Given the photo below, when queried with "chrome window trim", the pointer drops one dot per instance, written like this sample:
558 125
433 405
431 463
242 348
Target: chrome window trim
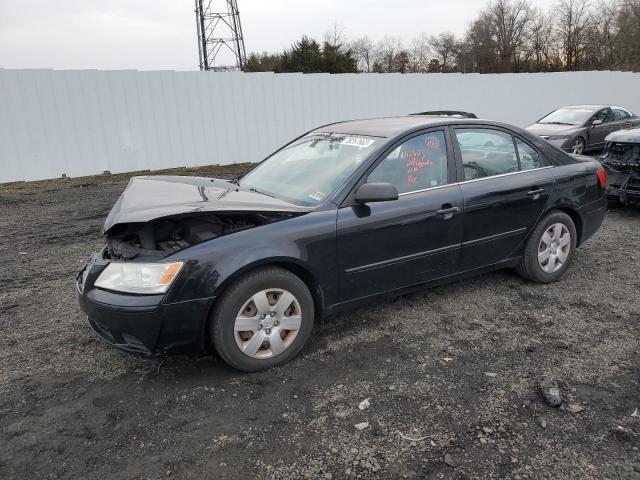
475 180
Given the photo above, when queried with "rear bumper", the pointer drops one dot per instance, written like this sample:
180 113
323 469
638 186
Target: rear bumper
141 323
592 217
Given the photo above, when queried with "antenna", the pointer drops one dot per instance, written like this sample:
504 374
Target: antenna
219 29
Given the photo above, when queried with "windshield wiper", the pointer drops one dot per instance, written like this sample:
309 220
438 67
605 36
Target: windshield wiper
236 180
557 123
254 189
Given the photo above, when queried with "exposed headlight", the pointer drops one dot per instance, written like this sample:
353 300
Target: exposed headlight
131 277
557 137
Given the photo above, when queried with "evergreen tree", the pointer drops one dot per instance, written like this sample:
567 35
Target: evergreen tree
304 56
336 61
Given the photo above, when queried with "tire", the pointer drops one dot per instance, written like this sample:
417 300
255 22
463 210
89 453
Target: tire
579 146
544 271
243 304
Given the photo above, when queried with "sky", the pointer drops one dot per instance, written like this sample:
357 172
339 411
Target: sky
161 34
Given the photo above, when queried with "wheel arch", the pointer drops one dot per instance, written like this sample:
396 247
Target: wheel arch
294 266
575 216
585 140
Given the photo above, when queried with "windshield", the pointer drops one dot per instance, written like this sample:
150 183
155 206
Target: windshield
568 116
310 169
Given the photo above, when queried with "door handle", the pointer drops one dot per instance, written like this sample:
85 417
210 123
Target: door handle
535 193
447 213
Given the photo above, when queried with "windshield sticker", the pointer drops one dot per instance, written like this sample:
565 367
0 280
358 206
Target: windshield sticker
317 196
357 142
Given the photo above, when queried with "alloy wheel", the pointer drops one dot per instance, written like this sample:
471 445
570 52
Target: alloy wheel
554 246
268 323
578 146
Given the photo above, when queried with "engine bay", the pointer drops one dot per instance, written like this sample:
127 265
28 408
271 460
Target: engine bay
168 235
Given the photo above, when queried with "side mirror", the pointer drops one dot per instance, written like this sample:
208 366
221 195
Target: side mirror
376 192
596 122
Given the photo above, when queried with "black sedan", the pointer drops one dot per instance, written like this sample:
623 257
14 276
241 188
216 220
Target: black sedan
581 128
343 215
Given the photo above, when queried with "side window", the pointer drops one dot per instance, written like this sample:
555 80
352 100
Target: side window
417 164
619 114
529 158
486 152
601 115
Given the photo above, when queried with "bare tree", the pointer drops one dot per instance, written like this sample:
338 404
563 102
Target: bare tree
627 41
364 52
478 51
336 36
540 42
445 47
420 53
599 38
572 22
387 50
510 21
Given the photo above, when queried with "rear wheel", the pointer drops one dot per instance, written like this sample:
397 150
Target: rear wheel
262 320
549 250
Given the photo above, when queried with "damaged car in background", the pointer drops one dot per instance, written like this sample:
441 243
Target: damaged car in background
621 158
341 216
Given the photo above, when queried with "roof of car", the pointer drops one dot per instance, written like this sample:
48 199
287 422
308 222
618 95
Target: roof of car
390 126
587 107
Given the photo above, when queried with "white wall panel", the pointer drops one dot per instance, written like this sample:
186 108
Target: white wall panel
85 122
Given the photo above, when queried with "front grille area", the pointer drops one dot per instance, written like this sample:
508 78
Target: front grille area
121 340
623 155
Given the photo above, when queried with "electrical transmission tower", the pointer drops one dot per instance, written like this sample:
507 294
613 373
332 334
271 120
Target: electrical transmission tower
218 23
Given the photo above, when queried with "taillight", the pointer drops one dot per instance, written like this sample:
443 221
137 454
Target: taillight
602 177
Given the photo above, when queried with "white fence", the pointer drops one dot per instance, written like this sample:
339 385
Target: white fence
85 122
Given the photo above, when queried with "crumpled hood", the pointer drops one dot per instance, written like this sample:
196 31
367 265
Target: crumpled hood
148 198
550 129
624 136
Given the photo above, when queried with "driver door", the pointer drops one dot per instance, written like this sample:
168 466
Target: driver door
597 133
394 244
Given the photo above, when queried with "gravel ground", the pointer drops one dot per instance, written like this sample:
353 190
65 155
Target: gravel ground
451 374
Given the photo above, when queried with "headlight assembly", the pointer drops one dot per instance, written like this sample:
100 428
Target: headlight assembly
144 278
558 137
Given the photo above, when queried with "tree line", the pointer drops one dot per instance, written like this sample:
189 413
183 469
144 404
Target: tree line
506 36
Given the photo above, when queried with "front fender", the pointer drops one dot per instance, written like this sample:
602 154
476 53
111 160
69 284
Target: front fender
308 242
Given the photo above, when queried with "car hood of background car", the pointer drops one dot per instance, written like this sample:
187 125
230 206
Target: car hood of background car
148 198
624 136
552 129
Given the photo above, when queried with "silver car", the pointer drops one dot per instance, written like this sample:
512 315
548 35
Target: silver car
581 128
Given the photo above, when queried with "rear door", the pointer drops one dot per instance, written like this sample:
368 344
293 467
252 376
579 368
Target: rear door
621 118
505 186
388 245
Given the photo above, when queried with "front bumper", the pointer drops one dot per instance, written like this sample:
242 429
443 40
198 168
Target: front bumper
141 323
623 187
563 143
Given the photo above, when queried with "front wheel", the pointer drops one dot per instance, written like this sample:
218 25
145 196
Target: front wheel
262 320
549 250
578 146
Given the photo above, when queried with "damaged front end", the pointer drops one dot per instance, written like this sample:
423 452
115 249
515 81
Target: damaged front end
125 289
622 161
165 236
160 215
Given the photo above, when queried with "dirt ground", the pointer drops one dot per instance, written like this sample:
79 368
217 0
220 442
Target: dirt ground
451 374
